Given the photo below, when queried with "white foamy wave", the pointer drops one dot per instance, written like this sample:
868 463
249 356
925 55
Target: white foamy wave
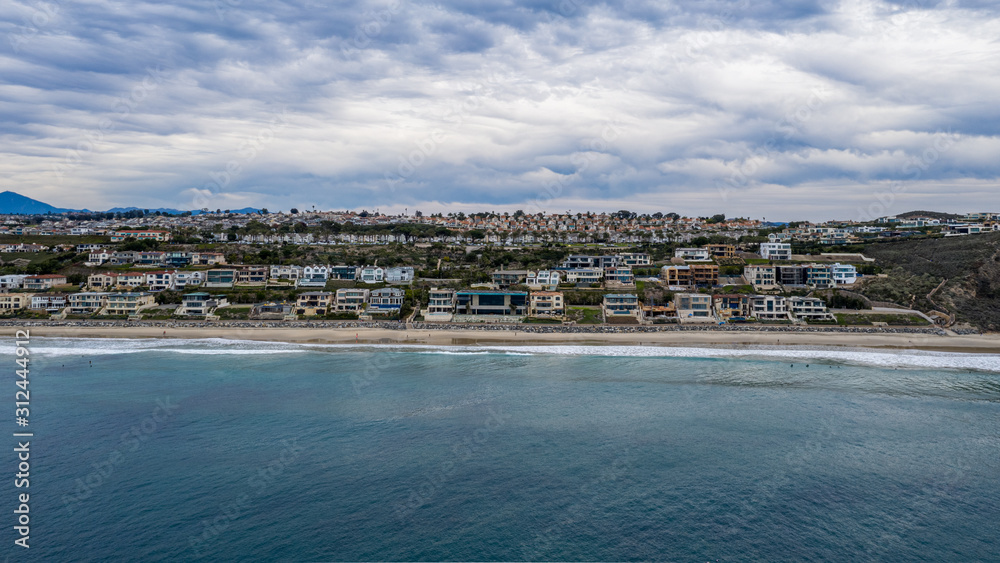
53 347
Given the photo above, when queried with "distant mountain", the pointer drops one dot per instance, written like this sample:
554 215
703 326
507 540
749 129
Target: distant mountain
12 203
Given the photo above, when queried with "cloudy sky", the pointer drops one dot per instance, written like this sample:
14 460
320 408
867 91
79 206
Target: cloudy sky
777 109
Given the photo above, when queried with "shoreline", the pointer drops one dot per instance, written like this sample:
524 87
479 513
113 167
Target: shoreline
926 341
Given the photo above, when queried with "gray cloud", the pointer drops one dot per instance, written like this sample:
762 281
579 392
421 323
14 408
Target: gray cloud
759 108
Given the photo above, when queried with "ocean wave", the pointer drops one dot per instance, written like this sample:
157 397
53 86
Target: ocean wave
907 359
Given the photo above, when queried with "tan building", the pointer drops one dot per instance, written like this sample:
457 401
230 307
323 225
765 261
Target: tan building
15 301
43 282
693 275
102 280
546 303
721 250
313 303
128 303
761 277
351 299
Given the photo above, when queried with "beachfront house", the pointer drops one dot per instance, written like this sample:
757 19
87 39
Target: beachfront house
388 300
15 301
254 276
49 302
693 307
161 280
440 305
619 276
43 282
576 261
186 279
769 307
281 273
621 307
546 303
544 278
731 307
351 300
721 250
12 281
488 302
200 304
503 279
583 276
128 303
635 259
87 302
809 308
312 303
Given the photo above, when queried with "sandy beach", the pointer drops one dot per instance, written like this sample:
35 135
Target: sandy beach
986 343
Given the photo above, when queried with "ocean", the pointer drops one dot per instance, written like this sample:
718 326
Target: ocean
212 450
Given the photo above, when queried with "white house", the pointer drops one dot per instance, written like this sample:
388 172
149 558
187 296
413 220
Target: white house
372 274
811 308
290 273
769 307
542 278
844 274
399 274
694 254
776 251
13 281
314 276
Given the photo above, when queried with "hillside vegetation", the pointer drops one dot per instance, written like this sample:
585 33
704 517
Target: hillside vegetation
970 264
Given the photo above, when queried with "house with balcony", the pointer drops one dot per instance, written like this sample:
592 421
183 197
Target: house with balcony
188 279
313 303
731 307
161 280
101 280
761 277
844 274
400 274
87 302
351 300
576 261
546 303
314 276
542 279
43 282
386 301
272 311
635 260
12 281
769 307
177 258
208 259
131 279
693 307
809 308
200 304
693 254
622 307
489 302
220 278
150 258
619 276
253 276
506 278
440 305
583 277
15 301
128 303
124 257
372 274
721 250
776 251
49 302
98 258
288 274
819 275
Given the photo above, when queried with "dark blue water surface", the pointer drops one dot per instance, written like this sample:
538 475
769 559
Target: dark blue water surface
224 452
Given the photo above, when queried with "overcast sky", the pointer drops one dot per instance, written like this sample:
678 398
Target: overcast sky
783 110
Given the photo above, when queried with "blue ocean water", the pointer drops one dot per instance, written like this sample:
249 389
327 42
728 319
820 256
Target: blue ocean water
236 451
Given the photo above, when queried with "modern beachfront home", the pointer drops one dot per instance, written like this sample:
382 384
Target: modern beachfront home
844 274
619 307
314 276
49 302
351 300
220 278
731 307
693 307
12 281
586 261
546 303
619 276
372 274
400 274
488 302
128 303
809 308
440 305
769 307
635 259
281 273
388 300
200 304
761 277
721 250
506 278
250 275
87 302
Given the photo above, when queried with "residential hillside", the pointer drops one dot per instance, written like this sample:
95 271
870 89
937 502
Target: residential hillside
971 266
